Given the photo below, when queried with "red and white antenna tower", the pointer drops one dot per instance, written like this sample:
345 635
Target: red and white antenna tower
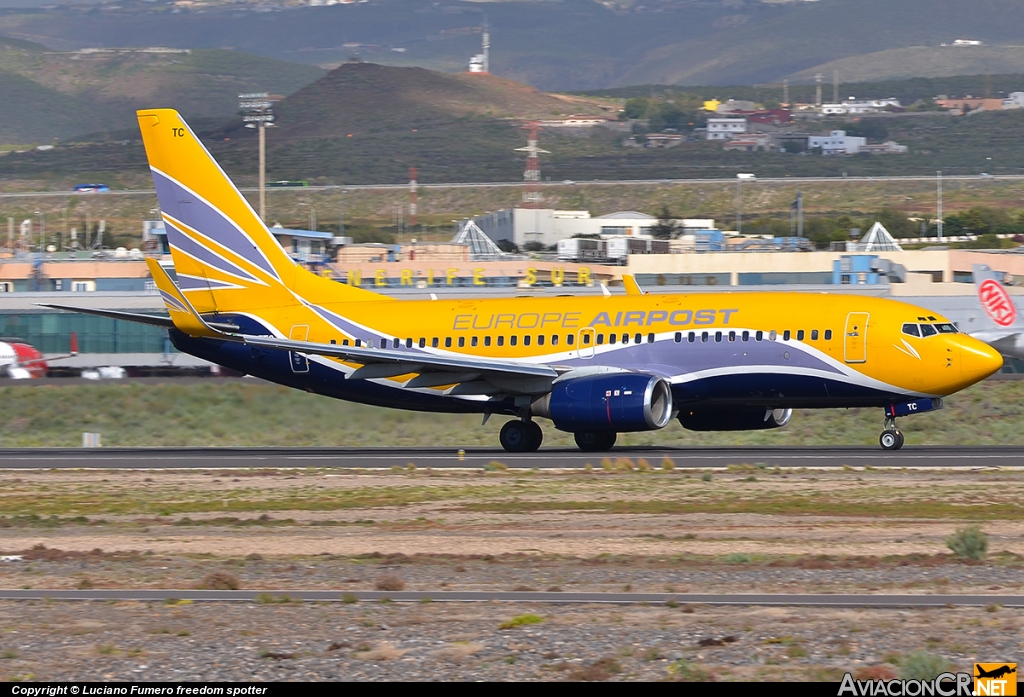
531 197
412 196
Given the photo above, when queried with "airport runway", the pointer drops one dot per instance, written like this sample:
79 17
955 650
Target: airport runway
729 179
970 457
795 599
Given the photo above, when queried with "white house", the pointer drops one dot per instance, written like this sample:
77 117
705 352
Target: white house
1014 101
725 128
836 143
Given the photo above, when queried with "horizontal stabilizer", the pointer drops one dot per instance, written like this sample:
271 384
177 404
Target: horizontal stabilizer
155 320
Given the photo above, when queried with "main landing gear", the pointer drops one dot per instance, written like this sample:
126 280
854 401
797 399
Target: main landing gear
521 436
595 441
892 437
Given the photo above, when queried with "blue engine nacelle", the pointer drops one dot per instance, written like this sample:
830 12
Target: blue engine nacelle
613 402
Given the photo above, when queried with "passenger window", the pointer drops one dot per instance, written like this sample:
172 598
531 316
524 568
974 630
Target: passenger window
487 341
554 339
814 335
928 330
625 338
396 343
773 335
462 341
513 340
526 340
569 339
586 339
828 335
501 341
718 337
732 336
746 336
638 338
786 335
435 342
334 341
473 341
799 334
691 337
704 337
408 343
423 342
759 336
447 342
540 339
650 338
358 343
911 329
946 328
611 338
678 337
600 338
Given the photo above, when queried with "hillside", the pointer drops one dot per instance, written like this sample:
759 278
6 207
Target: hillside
49 95
363 97
921 62
365 124
573 44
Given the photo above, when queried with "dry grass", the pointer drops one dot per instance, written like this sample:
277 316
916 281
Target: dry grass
457 651
389 582
220 581
382 652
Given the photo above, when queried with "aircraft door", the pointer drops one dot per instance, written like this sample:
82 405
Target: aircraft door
585 343
299 361
855 349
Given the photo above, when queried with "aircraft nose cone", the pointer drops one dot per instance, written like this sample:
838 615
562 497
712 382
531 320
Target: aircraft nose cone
978 360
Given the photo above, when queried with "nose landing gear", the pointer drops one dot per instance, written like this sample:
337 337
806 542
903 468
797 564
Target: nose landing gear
892 437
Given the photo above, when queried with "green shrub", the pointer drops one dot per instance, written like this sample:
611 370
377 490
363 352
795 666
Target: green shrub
520 620
921 665
969 543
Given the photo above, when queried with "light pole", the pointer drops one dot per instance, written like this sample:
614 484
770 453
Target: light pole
938 199
739 202
257 107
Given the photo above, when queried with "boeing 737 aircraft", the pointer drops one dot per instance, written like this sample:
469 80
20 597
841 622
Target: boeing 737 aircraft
594 366
1006 331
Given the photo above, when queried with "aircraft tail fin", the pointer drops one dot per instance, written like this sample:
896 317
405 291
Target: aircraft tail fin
994 299
225 257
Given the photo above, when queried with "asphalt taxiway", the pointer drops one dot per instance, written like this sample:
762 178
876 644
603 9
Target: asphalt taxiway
764 599
970 457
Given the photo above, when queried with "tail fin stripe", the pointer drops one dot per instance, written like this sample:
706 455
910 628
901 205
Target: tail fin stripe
199 214
172 302
186 244
186 283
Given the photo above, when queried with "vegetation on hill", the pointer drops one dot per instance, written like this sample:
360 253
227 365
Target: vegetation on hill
49 95
576 44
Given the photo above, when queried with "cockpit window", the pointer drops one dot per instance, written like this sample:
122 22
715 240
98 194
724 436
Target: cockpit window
911 329
946 328
928 330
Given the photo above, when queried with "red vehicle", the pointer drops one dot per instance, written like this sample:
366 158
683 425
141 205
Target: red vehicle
19 360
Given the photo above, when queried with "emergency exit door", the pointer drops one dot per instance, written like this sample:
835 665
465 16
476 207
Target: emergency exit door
856 346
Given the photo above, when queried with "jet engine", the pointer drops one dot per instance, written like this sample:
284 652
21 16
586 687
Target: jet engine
610 402
738 419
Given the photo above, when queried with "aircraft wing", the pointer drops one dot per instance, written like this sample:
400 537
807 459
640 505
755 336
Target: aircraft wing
155 320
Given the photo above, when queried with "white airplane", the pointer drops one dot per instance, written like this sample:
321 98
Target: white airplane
1006 331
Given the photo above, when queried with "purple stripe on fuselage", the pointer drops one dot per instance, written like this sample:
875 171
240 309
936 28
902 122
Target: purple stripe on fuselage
207 220
357 332
685 357
173 301
186 244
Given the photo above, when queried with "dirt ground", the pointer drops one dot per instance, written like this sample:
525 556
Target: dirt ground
742 530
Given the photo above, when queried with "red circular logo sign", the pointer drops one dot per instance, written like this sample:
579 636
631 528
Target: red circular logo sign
997 303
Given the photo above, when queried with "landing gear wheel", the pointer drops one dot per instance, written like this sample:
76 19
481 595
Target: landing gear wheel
899 434
595 441
515 436
536 436
890 440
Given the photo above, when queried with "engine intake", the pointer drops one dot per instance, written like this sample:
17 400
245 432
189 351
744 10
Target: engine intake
616 402
741 419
